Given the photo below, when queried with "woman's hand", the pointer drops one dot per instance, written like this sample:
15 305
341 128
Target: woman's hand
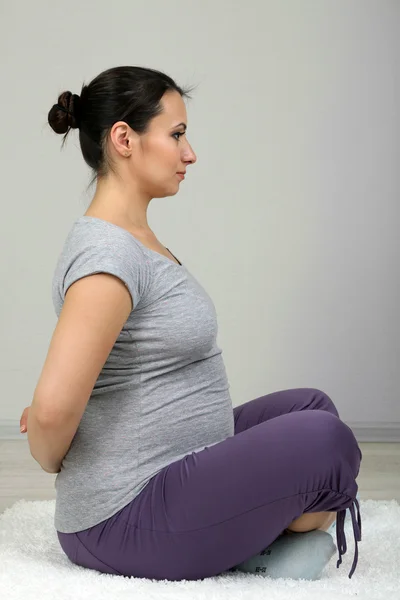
24 420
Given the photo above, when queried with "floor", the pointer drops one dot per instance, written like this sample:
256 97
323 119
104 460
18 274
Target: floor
22 477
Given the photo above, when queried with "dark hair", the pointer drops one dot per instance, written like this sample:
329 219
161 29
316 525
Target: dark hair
130 94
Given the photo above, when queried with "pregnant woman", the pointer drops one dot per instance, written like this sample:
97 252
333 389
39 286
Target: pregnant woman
158 476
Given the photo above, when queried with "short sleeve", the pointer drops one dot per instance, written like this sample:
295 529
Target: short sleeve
94 248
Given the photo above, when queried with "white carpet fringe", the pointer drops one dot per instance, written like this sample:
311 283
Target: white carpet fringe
33 566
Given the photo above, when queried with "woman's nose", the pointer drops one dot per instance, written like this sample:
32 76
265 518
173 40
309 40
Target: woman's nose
193 158
190 156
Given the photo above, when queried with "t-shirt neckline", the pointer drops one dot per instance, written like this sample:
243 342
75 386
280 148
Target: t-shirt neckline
83 217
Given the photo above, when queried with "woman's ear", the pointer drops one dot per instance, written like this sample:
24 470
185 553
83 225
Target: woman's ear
121 138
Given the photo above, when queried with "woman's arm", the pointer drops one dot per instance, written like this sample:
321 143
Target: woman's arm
49 442
94 311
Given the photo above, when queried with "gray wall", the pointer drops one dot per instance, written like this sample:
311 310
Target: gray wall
290 217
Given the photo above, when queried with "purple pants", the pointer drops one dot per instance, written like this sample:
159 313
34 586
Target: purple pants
213 509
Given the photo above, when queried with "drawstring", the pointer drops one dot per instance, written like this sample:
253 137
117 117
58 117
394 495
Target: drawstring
341 537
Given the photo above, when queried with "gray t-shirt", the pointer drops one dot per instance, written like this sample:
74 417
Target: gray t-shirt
163 392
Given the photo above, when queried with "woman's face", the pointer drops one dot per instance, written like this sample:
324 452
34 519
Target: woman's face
158 155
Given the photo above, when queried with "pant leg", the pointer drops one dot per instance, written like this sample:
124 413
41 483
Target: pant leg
215 508
279 403
286 401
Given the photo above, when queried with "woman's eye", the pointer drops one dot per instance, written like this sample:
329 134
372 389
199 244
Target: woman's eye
178 133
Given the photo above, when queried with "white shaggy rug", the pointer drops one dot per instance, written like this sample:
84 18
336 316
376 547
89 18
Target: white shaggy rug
33 566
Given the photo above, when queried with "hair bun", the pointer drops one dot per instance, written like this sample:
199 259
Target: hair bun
66 113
